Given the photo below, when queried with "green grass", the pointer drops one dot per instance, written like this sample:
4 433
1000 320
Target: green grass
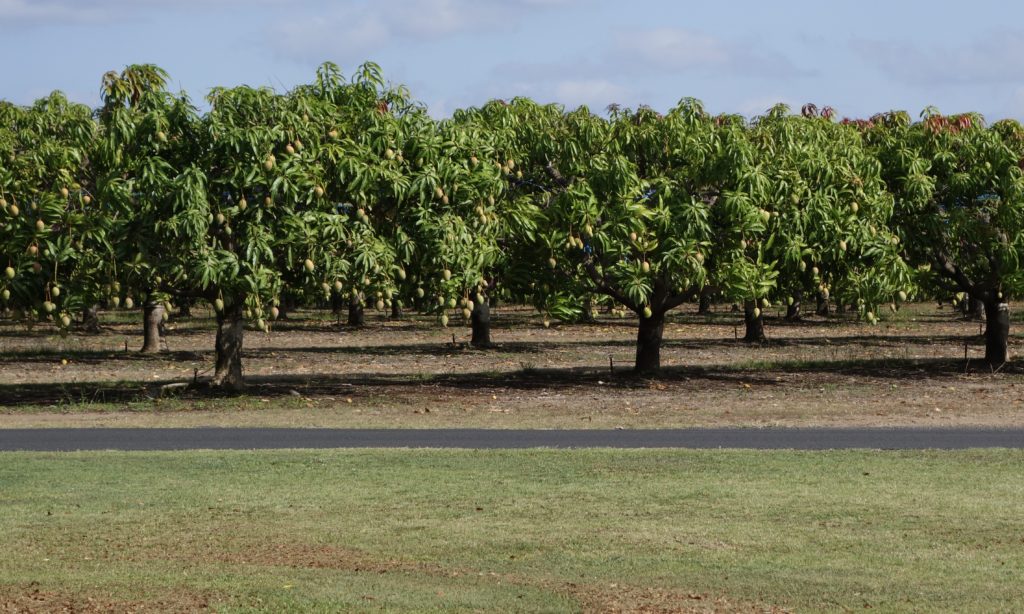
515 530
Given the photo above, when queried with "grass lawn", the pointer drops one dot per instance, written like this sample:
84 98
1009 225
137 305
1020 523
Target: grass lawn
540 530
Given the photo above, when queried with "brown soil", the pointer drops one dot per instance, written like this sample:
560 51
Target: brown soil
616 599
610 598
908 371
31 600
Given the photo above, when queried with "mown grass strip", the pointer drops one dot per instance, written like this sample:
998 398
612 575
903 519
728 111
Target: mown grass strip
535 530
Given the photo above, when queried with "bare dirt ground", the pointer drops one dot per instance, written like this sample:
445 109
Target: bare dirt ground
909 370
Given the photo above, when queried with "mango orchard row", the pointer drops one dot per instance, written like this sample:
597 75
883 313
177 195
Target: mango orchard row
348 191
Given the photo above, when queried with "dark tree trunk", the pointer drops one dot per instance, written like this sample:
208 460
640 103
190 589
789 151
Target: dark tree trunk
648 343
285 306
337 302
396 310
972 308
588 310
704 302
997 332
153 315
754 323
184 307
480 320
793 310
230 329
91 318
822 308
356 312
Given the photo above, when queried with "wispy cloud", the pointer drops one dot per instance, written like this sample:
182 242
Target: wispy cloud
31 13
630 66
596 93
998 58
681 50
21 12
359 29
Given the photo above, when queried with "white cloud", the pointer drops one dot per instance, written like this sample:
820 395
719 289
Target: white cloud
361 28
23 13
682 50
674 48
13 11
595 93
997 58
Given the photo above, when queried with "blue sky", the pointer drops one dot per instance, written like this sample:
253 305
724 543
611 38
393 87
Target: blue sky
738 57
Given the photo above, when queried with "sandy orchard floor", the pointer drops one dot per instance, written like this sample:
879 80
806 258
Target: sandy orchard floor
910 370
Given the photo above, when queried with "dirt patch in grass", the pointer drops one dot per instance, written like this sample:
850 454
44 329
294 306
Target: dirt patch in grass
296 555
610 598
616 599
31 599
613 598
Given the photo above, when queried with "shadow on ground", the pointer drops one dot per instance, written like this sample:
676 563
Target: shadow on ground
564 379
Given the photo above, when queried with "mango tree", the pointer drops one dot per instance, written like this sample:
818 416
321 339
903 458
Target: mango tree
465 216
959 209
524 138
359 175
258 189
150 141
648 213
827 214
52 241
299 159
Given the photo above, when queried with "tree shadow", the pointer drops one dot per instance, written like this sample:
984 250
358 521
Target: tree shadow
681 377
406 349
95 357
446 348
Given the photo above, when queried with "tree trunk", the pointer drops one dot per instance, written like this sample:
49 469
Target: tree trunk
153 315
184 307
972 308
230 329
356 312
588 310
997 332
648 343
285 306
754 323
822 308
396 309
337 302
480 320
91 318
793 310
704 302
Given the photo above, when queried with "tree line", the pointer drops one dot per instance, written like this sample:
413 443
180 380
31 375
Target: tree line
346 191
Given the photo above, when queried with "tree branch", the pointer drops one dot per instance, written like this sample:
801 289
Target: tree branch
556 176
601 285
947 268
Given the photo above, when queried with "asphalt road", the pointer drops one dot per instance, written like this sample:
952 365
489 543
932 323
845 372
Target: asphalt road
281 438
